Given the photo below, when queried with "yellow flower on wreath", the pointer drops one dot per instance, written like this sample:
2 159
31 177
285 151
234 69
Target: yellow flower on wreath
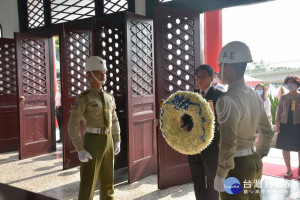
200 136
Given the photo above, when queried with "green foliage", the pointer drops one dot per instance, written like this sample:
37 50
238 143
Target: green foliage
57 47
274 104
57 43
258 67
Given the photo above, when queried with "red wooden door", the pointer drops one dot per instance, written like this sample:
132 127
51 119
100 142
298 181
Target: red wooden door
34 87
109 43
9 133
75 46
177 46
141 131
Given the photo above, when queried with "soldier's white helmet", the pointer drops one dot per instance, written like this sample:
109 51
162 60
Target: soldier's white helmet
95 63
235 52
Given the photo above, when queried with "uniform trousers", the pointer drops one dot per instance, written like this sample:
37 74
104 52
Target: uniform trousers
247 169
101 166
203 169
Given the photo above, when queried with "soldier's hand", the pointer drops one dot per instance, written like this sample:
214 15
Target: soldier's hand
117 147
258 162
84 156
219 183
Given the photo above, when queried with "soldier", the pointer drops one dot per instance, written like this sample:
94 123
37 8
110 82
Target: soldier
240 113
102 138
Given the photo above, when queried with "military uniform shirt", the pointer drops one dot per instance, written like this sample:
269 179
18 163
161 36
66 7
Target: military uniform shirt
88 107
240 113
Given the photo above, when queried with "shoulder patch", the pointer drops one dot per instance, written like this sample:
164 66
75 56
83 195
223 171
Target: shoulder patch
74 105
109 94
106 92
224 111
82 94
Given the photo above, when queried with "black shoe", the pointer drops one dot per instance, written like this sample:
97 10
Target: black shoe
59 141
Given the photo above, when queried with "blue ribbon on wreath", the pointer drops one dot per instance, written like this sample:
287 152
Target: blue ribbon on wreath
162 121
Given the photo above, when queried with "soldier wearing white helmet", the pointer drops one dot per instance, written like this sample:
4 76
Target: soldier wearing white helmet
102 138
240 113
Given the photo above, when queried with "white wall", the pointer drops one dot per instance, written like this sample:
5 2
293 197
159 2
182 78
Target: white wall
9 18
140 7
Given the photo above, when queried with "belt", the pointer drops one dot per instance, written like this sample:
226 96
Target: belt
245 152
103 131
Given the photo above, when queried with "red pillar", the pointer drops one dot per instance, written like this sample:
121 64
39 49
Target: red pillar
212 37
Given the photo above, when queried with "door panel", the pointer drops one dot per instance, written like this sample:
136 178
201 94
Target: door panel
9 132
177 43
109 44
75 47
34 86
140 97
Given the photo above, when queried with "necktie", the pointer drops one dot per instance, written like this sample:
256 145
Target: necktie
202 94
105 109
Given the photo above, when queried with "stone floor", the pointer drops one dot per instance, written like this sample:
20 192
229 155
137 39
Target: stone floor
44 175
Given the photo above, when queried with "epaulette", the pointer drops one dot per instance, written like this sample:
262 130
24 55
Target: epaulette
82 94
108 93
112 96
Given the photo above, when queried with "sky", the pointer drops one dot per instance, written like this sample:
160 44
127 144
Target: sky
271 30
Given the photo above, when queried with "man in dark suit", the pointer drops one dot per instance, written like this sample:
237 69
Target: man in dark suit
203 166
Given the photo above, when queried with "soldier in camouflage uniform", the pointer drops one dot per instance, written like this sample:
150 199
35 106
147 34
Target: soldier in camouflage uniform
102 138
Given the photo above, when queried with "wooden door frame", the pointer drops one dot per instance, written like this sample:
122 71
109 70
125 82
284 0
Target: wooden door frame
142 167
164 170
52 92
9 143
48 89
68 150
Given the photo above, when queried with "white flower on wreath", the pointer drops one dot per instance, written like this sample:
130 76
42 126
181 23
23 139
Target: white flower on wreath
200 136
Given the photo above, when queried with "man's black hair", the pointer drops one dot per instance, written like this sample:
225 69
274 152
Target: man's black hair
208 68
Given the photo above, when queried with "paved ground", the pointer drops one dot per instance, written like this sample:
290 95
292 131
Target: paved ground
44 175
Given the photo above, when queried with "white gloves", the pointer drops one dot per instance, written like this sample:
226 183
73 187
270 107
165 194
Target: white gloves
117 147
219 184
84 156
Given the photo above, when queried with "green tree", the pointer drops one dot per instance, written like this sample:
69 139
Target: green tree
274 104
259 67
57 43
57 47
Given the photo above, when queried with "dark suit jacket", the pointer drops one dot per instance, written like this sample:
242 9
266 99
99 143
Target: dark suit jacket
213 94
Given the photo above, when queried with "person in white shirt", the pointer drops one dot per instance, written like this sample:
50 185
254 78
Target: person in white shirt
58 110
216 83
